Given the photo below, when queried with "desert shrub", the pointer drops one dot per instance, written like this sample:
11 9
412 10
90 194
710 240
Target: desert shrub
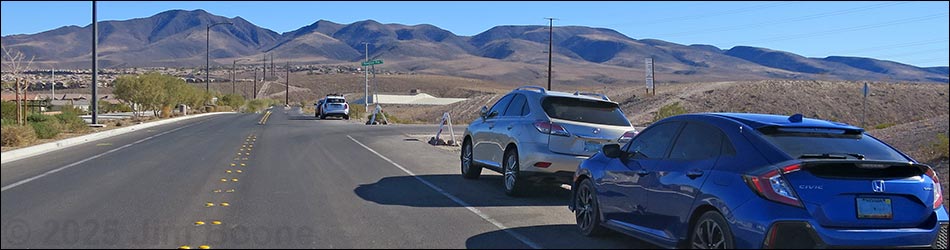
940 146
8 110
72 122
884 125
33 118
6 122
17 136
46 129
669 110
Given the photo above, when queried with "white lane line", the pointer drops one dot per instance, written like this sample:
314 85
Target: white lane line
5 188
484 216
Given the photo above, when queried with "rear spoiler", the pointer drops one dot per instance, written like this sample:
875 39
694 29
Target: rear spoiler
862 163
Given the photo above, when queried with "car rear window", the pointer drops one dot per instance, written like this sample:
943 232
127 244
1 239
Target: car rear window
814 145
336 100
583 110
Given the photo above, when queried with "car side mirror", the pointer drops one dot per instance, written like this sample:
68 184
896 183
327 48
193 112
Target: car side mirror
493 114
484 112
612 151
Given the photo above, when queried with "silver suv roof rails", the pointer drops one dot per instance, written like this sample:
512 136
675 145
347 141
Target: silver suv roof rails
539 89
602 96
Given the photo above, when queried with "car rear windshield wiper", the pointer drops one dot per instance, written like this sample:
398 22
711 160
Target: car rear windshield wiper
832 156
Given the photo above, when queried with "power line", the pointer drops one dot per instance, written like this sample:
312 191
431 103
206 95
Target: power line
720 13
848 29
894 46
900 55
788 20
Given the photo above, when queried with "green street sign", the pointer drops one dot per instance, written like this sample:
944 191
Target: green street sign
373 62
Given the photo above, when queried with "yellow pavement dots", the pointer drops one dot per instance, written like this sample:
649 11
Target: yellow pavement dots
228 171
184 247
216 191
204 247
244 159
234 180
241 149
237 158
224 180
232 164
199 223
209 204
215 222
239 171
225 204
229 191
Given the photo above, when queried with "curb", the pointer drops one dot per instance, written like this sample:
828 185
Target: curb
27 152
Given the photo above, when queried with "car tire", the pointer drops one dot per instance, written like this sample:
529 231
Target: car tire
470 170
511 170
346 117
711 231
587 210
323 117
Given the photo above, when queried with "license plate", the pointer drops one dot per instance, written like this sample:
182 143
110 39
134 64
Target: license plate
874 208
591 146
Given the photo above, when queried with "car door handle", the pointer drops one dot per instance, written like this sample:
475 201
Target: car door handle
510 126
694 173
642 172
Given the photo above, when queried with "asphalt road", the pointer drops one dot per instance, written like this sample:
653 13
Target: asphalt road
303 183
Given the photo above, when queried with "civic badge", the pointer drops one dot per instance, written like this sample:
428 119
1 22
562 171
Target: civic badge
596 131
877 186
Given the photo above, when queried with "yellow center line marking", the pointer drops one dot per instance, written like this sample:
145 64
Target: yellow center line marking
215 222
225 204
234 180
230 191
209 204
224 180
228 171
184 247
216 191
204 247
199 223
239 171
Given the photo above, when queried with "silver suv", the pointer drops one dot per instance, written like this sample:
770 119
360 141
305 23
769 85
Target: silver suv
333 105
533 136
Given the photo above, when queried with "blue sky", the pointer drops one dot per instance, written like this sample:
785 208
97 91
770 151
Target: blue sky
915 33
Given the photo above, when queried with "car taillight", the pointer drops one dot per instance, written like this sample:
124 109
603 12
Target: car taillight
626 137
773 186
551 128
938 190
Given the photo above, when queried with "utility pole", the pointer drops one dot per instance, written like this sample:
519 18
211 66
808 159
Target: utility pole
52 80
208 54
233 73
273 69
366 78
550 47
265 69
19 108
255 83
95 67
287 85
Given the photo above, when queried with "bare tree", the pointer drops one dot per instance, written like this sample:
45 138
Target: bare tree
15 63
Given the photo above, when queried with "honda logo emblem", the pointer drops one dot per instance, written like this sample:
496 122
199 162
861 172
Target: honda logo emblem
877 186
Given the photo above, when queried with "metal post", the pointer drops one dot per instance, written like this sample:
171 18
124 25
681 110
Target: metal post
255 84
52 76
265 69
95 67
287 84
366 78
550 48
232 75
208 55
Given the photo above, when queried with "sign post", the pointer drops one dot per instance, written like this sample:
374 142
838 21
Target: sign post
866 91
649 76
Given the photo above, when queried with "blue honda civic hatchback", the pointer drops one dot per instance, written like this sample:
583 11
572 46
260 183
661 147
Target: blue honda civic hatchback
728 180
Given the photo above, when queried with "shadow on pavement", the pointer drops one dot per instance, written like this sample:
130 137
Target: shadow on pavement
564 236
486 191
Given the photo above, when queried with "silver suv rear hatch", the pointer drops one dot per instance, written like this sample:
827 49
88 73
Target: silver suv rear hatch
589 124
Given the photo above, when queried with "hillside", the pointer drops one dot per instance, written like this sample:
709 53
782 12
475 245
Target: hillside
512 54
